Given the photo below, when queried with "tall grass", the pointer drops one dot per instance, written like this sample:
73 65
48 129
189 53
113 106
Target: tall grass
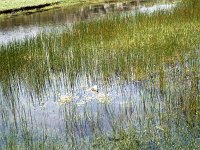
160 51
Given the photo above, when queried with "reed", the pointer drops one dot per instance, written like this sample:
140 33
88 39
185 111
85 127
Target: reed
158 52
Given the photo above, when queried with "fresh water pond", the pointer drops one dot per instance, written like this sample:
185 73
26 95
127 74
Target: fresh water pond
20 27
110 76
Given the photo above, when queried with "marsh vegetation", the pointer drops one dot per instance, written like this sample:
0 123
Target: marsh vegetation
125 81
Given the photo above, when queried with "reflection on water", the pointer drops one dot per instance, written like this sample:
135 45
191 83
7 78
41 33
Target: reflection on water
45 110
50 87
156 7
19 27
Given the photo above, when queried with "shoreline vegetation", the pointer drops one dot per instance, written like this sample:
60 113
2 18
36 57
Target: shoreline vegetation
30 6
158 51
24 8
16 7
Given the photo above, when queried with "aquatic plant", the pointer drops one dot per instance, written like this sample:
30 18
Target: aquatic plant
158 52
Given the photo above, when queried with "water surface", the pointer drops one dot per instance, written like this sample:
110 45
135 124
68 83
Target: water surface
152 91
26 26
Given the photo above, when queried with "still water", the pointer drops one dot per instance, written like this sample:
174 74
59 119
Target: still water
46 105
20 27
49 103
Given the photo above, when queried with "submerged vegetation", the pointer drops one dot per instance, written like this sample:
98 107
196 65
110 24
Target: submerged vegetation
155 52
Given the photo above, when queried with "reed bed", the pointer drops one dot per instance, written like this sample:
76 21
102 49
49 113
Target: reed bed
156 52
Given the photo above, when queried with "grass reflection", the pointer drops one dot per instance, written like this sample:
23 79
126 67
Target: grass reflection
160 51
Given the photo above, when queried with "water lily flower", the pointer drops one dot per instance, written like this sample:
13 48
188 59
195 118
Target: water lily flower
94 88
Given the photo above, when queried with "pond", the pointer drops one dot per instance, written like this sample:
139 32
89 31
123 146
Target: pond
20 27
116 75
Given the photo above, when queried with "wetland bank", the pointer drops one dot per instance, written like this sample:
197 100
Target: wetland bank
128 80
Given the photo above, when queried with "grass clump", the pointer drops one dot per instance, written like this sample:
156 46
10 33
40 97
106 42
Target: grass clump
161 49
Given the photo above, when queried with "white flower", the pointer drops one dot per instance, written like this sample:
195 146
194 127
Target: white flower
94 88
